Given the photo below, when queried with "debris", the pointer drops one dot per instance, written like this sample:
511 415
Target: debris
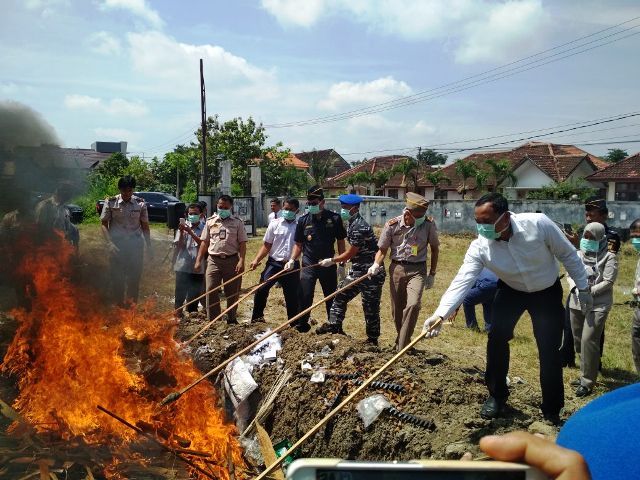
317 377
268 452
306 366
371 407
392 387
325 352
409 418
252 449
281 448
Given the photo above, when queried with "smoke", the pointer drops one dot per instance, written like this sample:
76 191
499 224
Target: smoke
22 126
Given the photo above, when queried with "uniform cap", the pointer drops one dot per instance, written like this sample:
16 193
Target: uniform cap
351 199
315 192
413 200
595 204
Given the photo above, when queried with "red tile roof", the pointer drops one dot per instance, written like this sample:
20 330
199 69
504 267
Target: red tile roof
339 164
627 170
291 160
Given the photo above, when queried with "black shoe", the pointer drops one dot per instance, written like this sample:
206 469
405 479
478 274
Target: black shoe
372 341
232 321
328 328
302 327
258 320
552 418
583 391
575 383
492 408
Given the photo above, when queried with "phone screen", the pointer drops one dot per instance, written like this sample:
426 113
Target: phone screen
365 474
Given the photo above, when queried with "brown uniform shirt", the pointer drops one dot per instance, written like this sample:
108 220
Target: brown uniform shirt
224 236
125 218
408 243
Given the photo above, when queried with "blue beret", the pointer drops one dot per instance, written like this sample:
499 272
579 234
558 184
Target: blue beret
351 199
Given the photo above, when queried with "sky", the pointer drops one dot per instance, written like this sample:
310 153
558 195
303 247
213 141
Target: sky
128 70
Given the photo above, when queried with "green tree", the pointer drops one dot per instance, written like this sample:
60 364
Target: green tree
481 177
465 169
409 169
114 166
614 155
278 178
428 157
141 171
501 171
380 179
319 167
436 177
362 178
563 191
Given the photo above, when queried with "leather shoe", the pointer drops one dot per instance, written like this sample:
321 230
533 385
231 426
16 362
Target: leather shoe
552 418
492 408
329 328
583 391
575 383
302 327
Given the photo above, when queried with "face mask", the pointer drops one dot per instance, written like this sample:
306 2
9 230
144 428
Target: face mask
288 215
420 220
635 241
345 214
222 213
313 209
194 218
488 230
589 246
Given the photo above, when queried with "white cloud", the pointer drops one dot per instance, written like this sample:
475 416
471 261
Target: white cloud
139 8
104 43
349 94
46 7
480 30
116 106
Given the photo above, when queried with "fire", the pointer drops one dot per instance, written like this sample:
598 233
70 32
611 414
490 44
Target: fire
70 354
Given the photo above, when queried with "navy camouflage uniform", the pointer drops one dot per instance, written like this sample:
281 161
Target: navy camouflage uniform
360 234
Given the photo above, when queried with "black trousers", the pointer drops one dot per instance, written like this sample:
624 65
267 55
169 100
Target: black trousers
328 278
547 315
289 284
188 287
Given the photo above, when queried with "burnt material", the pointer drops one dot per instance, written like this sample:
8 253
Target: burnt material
412 419
343 376
392 387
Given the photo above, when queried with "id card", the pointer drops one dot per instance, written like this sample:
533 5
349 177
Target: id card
223 234
414 250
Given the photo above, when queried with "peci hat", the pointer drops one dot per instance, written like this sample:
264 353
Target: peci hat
413 200
351 199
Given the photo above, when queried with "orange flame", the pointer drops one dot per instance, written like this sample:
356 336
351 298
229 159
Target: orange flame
70 354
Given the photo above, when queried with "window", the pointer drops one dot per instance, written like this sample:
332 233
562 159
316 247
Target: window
392 192
440 194
628 192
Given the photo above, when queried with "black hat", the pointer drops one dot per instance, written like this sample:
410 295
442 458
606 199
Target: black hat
315 193
595 203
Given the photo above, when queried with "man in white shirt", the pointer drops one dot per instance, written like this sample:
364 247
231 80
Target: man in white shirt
521 249
276 207
278 243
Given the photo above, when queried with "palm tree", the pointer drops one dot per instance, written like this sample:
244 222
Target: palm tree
437 177
466 169
319 167
362 177
481 179
409 169
501 171
380 178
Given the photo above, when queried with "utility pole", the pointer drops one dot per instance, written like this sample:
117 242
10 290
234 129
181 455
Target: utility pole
203 114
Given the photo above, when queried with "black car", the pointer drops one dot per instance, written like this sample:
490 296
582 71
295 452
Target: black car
76 213
157 203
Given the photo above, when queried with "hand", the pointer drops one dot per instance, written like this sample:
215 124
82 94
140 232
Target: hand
428 282
572 237
196 266
253 265
342 273
326 262
289 265
586 301
240 266
430 326
113 249
553 460
374 269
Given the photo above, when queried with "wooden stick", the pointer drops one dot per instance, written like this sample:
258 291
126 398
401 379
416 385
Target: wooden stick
333 412
152 438
255 288
172 397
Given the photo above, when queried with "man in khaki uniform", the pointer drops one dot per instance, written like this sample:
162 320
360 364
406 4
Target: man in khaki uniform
52 215
407 236
125 221
225 240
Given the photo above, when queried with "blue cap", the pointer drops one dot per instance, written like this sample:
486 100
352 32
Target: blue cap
350 199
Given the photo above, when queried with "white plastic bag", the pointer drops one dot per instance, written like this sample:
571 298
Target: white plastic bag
371 407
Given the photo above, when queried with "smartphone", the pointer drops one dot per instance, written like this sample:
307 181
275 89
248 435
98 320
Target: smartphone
182 221
335 469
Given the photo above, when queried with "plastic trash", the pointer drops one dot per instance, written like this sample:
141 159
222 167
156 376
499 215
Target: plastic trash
325 352
317 377
252 449
202 351
238 381
306 366
371 407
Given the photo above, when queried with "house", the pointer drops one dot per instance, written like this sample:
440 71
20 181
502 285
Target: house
621 179
291 161
337 164
533 164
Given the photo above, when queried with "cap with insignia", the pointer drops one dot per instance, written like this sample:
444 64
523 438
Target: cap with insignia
315 193
595 203
350 199
413 200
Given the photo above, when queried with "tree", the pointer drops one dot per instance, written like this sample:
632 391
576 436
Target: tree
466 169
428 157
278 178
380 179
481 177
114 166
437 177
409 169
319 167
361 178
501 171
141 171
614 155
563 191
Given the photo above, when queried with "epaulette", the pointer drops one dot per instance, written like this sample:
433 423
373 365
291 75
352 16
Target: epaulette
430 219
393 221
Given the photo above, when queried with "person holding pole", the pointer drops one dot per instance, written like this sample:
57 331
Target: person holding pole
362 251
316 233
521 249
225 239
278 243
408 236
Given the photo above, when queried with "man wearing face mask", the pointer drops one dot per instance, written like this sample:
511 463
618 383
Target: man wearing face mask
521 249
315 235
408 236
225 240
278 243
362 251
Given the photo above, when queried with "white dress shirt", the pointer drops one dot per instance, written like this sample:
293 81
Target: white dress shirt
280 235
527 262
273 216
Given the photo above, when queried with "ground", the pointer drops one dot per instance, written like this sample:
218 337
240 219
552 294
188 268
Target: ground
442 379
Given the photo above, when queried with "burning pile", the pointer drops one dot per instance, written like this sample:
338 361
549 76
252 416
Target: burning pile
70 354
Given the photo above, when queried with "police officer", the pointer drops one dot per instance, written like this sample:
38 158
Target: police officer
408 236
125 221
225 239
315 235
362 251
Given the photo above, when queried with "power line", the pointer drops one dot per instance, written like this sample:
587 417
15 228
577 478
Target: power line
464 84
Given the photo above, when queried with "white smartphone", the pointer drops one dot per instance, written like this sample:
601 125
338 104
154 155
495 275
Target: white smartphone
335 469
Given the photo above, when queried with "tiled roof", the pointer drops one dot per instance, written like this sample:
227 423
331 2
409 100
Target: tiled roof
339 164
625 170
378 164
291 160
83 158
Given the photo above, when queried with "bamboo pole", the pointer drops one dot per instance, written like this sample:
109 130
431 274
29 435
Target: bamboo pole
335 411
172 397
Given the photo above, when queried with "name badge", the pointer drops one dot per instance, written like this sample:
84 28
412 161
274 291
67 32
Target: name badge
414 250
223 234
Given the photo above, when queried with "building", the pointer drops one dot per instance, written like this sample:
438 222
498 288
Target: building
621 179
336 164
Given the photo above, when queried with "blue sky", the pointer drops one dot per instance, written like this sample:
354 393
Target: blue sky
128 69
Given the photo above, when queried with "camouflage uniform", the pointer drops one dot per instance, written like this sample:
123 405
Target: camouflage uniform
360 234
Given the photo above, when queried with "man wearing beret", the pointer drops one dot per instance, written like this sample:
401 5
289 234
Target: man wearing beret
316 233
407 236
361 253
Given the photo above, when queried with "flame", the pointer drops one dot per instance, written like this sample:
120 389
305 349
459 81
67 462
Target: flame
71 354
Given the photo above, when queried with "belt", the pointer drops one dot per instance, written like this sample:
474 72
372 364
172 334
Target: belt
223 256
405 262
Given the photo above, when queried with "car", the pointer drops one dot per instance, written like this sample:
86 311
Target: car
76 213
157 204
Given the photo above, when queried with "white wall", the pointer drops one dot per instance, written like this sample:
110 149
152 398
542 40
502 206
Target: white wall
530 176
